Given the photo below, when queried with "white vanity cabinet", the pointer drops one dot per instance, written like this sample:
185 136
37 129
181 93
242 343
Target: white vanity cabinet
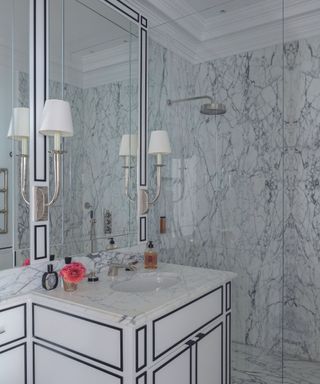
13 344
189 344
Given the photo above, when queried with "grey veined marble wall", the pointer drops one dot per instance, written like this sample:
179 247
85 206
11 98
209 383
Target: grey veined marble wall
240 186
93 170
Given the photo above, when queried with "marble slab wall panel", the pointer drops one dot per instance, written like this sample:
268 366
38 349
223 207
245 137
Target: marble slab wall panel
222 186
302 194
92 169
109 112
66 214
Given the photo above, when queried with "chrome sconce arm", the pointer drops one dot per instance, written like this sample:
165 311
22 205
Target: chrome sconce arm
159 145
57 176
23 177
128 150
127 167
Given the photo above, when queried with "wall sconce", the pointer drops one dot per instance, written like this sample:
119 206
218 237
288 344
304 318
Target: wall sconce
159 145
19 129
128 148
56 121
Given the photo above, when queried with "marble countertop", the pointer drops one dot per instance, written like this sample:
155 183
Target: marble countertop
134 308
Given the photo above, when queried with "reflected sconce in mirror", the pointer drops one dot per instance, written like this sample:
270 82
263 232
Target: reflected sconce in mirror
56 121
159 145
128 149
19 130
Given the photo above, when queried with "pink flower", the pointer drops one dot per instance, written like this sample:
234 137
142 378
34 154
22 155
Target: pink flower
26 262
73 272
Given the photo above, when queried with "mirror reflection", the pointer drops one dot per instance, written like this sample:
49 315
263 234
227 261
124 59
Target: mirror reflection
14 132
93 65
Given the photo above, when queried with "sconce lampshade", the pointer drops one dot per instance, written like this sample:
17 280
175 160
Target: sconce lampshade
128 145
56 118
159 143
19 127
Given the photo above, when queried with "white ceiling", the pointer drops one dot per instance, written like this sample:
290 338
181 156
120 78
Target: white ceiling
201 30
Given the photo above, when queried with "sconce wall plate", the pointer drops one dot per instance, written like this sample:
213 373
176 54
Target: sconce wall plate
41 211
143 201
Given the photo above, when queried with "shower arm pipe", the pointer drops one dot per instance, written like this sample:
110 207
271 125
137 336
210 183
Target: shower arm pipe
170 102
23 176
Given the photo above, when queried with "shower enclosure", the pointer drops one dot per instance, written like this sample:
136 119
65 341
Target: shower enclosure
241 190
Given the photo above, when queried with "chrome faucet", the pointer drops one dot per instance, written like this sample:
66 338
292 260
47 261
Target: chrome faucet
114 267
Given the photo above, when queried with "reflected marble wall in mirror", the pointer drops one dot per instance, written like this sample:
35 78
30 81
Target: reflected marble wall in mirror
93 64
14 118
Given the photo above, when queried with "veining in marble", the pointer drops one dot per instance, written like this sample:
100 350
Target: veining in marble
240 191
136 307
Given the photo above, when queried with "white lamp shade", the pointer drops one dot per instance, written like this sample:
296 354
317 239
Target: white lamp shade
19 127
56 118
159 143
128 145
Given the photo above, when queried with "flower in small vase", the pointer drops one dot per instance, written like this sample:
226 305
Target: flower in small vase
26 262
73 272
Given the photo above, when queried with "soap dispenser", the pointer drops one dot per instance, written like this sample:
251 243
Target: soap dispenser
150 257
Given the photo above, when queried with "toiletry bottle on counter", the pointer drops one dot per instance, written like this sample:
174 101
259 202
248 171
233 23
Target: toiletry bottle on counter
50 279
112 245
150 257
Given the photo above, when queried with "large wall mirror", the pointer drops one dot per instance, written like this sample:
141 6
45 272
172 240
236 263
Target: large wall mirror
93 63
14 131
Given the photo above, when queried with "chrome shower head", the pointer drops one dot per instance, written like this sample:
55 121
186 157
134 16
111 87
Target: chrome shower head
211 108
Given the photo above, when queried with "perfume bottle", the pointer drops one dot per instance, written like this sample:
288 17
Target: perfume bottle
50 279
150 257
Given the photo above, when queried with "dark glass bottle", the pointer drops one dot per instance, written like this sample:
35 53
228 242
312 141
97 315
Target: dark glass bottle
50 279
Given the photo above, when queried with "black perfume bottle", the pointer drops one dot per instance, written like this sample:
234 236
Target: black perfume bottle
50 279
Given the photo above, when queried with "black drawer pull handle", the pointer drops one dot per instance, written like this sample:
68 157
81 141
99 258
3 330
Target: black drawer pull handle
200 335
190 343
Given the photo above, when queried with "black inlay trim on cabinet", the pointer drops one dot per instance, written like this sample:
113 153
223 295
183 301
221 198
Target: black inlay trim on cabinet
144 330
228 348
24 319
169 361
120 368
203 337
154 356
144 375
72 358
36 227
228 296
25 358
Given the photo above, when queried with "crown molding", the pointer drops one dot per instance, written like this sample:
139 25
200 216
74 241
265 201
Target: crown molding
257 24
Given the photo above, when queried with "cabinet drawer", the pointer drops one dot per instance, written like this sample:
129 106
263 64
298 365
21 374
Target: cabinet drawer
13 365
100 342
12 324
54 367
174 327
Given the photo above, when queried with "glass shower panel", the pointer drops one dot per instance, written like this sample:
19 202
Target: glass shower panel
223 183
301 340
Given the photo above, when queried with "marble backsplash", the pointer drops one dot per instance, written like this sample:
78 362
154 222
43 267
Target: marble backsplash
241 191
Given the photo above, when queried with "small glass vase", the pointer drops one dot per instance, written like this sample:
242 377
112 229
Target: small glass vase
69 287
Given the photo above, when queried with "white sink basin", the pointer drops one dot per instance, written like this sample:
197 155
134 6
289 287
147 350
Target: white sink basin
143 282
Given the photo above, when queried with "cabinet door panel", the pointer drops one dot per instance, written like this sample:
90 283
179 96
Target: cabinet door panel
13 365
176 370
210 357
53 367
